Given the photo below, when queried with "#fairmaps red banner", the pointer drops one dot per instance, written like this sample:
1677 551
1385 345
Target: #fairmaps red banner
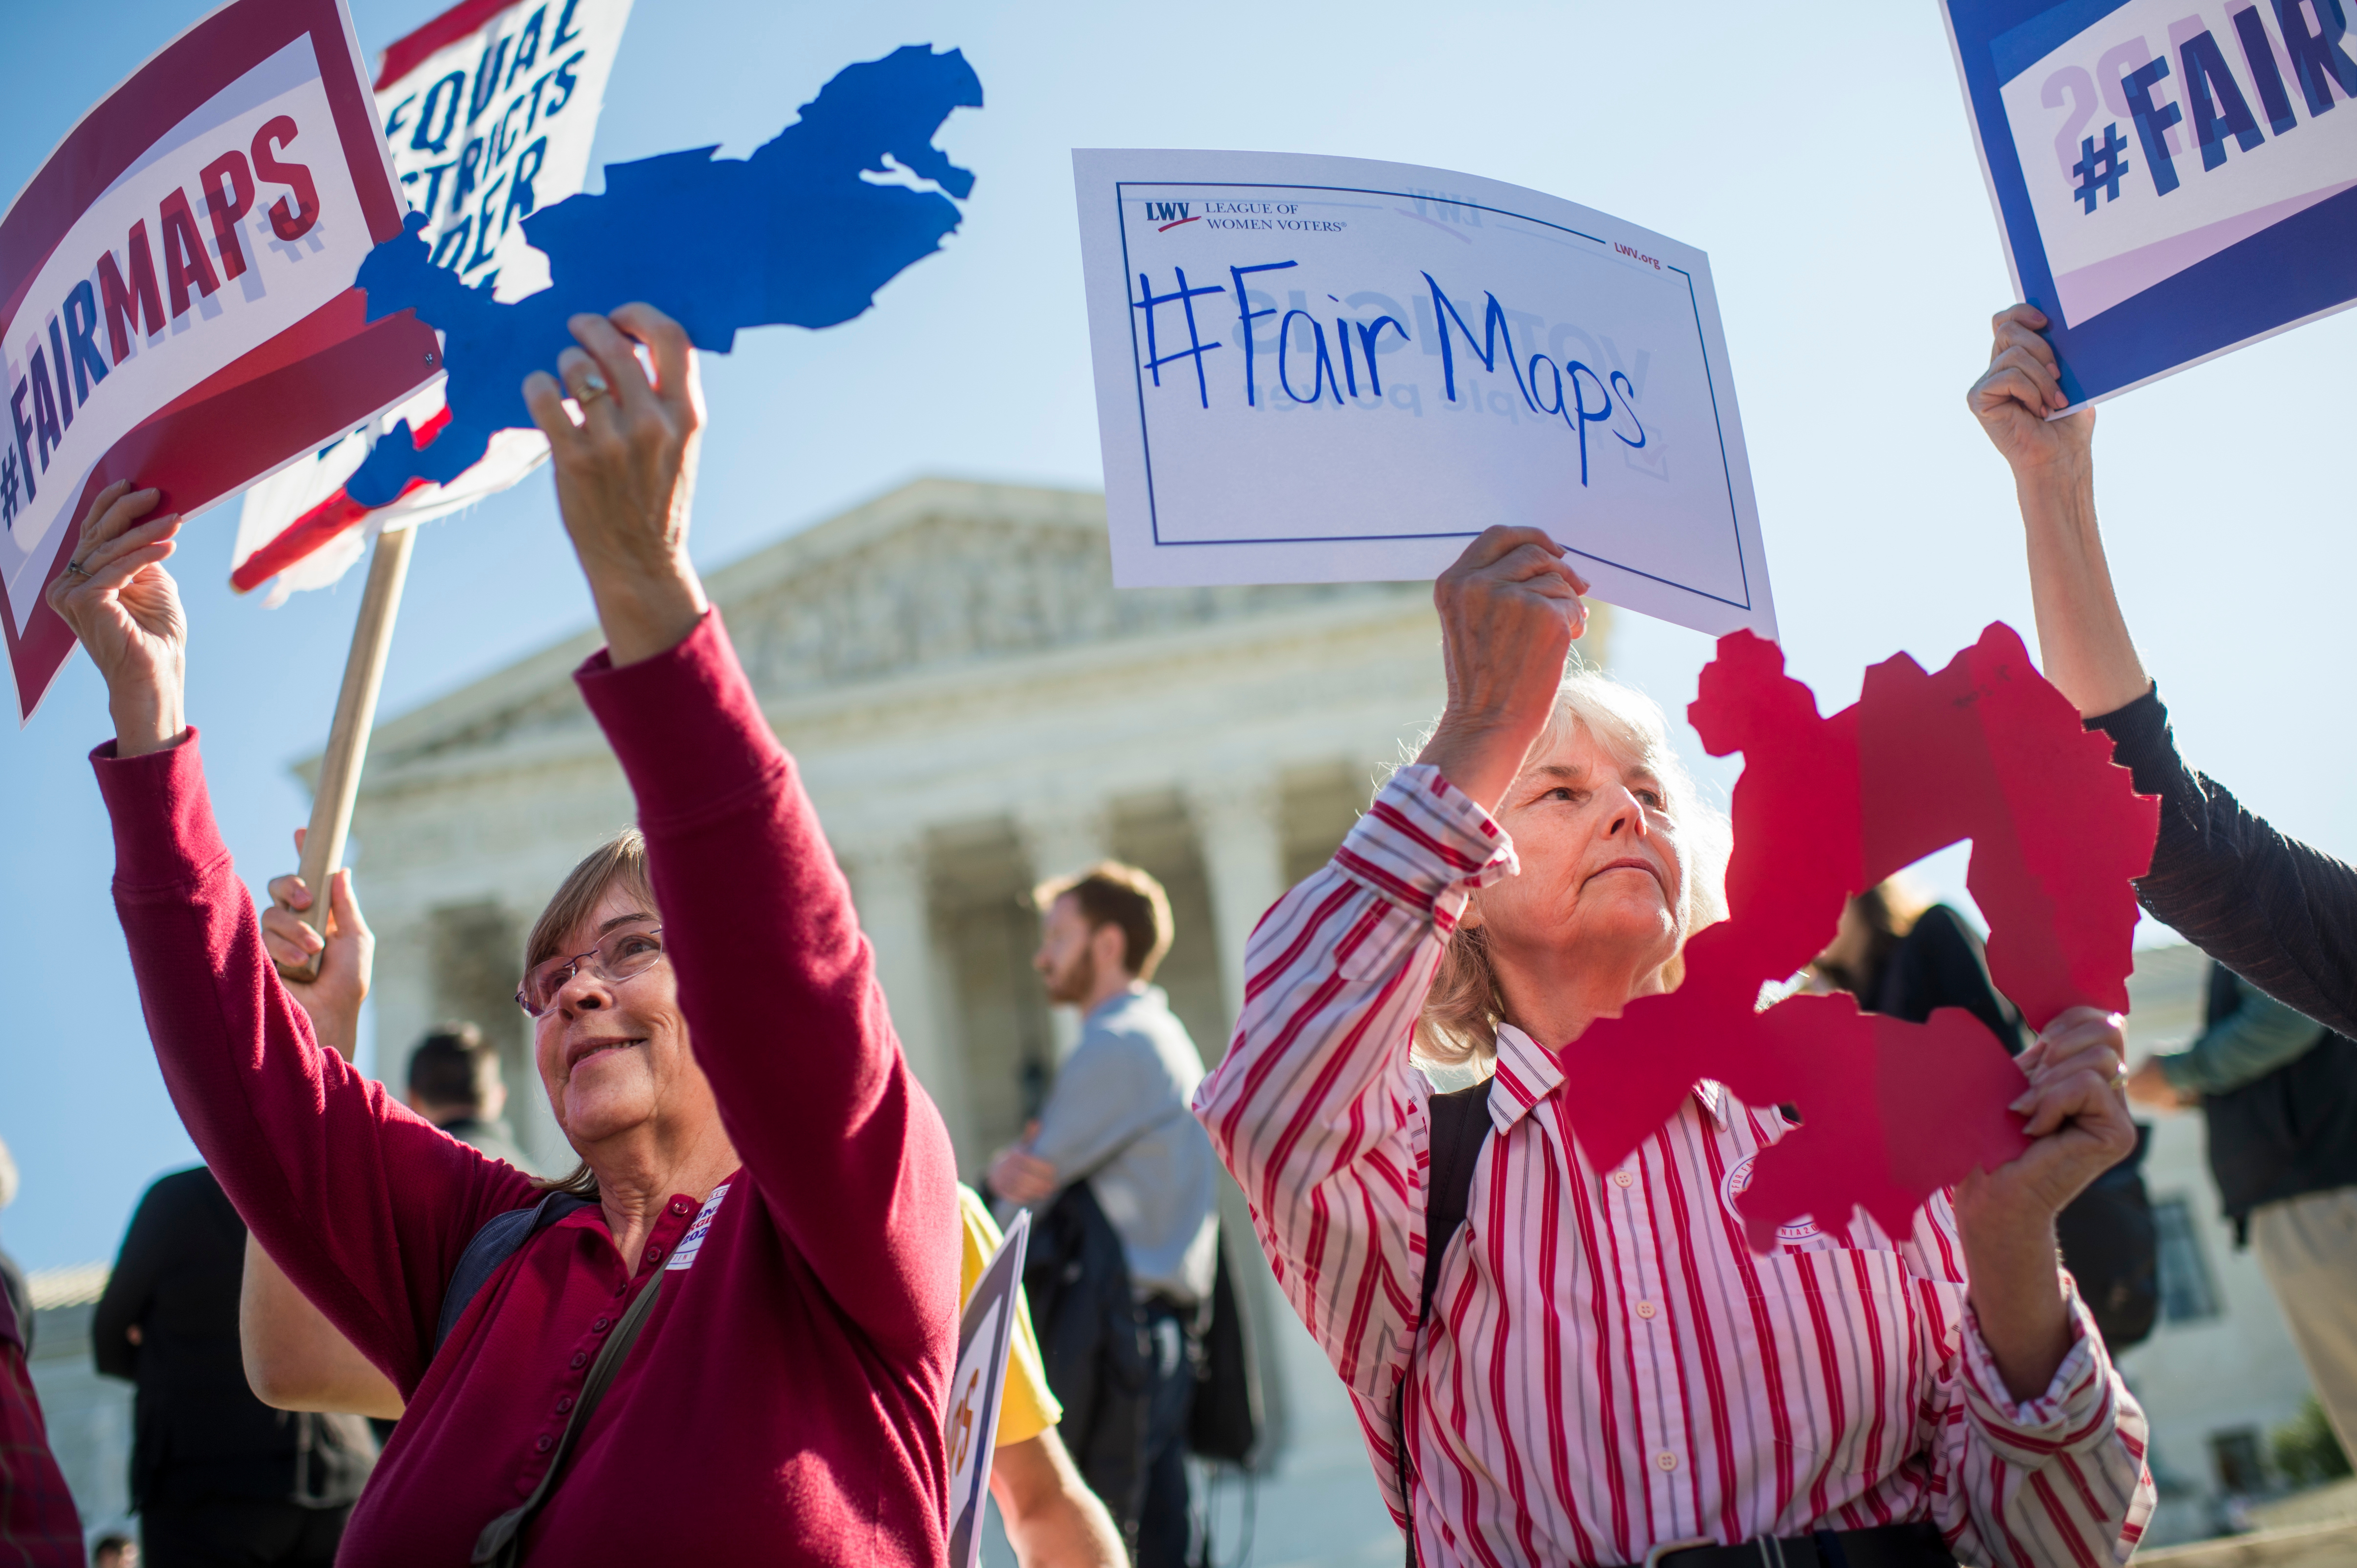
176 291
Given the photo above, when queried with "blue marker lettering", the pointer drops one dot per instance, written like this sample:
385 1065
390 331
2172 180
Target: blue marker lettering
1370 335
1323 370
1628 400
1147 301
1493 326
1578 405
1247 316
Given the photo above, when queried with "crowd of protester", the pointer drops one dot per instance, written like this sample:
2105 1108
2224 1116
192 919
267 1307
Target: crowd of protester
729 1329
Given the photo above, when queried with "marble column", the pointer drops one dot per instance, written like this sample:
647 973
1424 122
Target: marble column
1237 822
1060 837
888 885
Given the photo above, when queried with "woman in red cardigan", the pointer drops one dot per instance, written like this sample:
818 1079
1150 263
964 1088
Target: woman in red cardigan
714 1046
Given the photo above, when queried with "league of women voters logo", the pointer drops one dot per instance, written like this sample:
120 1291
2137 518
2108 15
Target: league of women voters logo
1826 807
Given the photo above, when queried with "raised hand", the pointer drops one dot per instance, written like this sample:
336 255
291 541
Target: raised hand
124 609
2077 1114
2020 388
2078 1121
1509 610
626 473
333 997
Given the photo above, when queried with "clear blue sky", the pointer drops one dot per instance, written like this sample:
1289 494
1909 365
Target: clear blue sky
1822 160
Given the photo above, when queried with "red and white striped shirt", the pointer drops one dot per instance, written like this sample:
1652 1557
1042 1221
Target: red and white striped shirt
1609 1366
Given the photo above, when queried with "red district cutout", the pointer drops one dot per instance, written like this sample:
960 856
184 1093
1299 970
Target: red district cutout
1985 750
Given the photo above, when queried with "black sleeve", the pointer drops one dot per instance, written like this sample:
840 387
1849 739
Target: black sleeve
146 1249
2281 915
1941 964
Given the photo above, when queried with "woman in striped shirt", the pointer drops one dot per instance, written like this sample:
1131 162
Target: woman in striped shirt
1610 1375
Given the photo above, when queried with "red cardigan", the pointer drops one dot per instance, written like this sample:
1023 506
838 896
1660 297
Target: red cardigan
784 1404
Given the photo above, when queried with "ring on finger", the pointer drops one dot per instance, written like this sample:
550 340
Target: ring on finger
78 568
593 385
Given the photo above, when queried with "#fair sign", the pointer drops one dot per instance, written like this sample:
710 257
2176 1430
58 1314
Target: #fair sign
2169 174
1328 370
488 112
176 291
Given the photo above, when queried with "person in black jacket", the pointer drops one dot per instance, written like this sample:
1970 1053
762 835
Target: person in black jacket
1904 960
217 1476
2280 915
2275 911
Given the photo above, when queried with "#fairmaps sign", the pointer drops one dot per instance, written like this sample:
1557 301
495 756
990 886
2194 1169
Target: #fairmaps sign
1329 370
2169 174
176 291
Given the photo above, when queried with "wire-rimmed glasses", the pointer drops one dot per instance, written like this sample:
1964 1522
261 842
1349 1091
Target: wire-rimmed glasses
619 956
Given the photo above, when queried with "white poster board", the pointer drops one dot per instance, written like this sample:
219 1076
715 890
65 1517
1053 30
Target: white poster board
1369 363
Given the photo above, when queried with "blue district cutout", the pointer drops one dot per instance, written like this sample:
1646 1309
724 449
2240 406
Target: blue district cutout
790 236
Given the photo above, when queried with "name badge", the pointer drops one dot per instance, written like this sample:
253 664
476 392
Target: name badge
684 1255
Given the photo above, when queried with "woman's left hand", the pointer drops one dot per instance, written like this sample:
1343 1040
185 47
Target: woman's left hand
626 473
2077 1118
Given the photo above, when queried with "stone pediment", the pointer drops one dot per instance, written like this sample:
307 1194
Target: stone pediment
937 573
947 573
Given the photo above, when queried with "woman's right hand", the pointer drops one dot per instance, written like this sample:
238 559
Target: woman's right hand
124 609
1509 610
2020 388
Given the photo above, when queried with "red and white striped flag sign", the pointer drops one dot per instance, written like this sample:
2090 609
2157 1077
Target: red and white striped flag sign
176 291
488 111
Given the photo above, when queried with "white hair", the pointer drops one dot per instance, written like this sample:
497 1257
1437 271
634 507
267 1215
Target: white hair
1458 1025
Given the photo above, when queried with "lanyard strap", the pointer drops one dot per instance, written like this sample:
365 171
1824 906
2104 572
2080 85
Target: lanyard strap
501 1543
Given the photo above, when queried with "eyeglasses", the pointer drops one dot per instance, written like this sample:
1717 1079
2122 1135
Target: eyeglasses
622 956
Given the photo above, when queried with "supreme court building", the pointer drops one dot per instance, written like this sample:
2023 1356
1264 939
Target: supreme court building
974 708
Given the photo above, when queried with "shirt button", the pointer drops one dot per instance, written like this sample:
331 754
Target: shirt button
1622 1178
544 1443
565 1404
580 1359
1666 1460
679 1206
1645 1309
653 1253
602 1325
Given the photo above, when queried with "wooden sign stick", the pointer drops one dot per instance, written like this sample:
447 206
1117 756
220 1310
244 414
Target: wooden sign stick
340 768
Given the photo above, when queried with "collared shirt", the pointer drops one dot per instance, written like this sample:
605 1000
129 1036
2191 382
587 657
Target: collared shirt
1609 1366
1117 1118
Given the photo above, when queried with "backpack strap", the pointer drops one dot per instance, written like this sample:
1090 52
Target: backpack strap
502 1237
1461 1124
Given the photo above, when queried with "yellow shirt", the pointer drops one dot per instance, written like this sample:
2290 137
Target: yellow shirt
1026 1409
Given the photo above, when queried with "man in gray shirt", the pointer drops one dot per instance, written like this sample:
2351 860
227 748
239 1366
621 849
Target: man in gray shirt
1119 1119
